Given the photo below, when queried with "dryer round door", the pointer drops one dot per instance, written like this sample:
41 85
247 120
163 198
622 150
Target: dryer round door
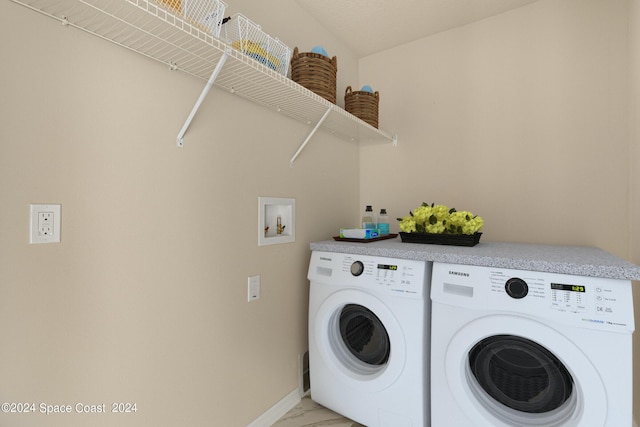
360 340
511 370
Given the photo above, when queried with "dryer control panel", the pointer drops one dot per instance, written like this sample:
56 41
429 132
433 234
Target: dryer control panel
591 302
399 277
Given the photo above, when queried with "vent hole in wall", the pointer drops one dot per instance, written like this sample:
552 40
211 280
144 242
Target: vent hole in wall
306 381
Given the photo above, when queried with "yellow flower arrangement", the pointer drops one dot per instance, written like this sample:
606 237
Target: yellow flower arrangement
439 219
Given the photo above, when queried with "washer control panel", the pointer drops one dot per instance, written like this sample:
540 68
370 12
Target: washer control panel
562 293
600 303
400 277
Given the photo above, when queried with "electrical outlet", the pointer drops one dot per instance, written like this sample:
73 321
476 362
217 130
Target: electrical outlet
44 223
253 288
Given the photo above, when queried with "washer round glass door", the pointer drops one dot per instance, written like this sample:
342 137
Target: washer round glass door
514 371
360 340
520 374
364 335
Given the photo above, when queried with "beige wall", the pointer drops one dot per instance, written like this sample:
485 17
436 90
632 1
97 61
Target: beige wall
634 132
522 118
634 125
145 298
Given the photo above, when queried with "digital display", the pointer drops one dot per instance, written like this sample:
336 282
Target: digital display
387 267
570 288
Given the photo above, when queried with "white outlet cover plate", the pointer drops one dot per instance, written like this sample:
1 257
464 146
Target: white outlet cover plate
52 235
253 288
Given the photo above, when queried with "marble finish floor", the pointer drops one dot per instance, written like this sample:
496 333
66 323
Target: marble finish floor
308 413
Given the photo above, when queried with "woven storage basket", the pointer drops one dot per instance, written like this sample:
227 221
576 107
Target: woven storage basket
315 72
363 105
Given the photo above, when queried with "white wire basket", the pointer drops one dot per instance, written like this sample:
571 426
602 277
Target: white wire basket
205 14
246 36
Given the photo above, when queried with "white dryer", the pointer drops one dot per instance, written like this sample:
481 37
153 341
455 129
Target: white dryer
522 348
368 338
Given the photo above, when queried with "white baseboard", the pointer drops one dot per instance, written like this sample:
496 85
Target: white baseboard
278 410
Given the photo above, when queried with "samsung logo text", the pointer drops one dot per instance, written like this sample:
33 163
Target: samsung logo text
458 273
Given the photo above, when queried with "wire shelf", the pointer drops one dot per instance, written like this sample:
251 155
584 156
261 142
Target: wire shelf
156 32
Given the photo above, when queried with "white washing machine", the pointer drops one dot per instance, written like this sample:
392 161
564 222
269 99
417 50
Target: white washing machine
368 338
522 348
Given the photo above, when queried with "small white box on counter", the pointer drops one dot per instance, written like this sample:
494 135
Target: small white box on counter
359 233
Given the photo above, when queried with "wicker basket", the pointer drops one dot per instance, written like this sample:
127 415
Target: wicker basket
315 72
363 105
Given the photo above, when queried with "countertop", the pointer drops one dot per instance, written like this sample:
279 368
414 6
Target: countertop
576 260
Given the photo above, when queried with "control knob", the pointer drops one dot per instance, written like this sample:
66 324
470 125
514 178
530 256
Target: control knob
357 268
516 288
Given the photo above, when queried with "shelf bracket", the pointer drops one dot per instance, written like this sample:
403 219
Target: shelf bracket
313 131
205 91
